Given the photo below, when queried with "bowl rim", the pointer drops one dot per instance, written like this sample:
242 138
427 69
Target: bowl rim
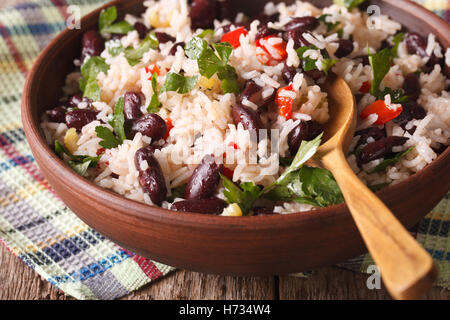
128 208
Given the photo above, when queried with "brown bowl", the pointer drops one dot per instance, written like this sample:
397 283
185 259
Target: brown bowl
278 244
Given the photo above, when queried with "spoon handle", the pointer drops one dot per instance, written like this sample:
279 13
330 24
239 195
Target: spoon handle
407 270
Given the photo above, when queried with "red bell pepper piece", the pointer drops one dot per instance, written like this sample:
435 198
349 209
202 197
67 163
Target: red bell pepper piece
233 37
365 88
285 103
265 56
385 114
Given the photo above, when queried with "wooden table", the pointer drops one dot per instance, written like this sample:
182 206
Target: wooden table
17 281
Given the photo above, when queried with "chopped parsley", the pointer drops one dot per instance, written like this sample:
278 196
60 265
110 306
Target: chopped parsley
91 67
79 164
391 161
397 39
309 64
118 120
114 47
214 60
245 195
109 140
154 104
134 55
381 64
179 83
106 22
330 26
349 4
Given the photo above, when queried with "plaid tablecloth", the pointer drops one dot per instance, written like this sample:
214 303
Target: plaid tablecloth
38 228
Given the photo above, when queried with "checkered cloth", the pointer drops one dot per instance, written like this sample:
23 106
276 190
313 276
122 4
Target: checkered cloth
38 228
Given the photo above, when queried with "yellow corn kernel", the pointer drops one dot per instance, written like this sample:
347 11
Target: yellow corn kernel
233 210
71 140
156 22
210 84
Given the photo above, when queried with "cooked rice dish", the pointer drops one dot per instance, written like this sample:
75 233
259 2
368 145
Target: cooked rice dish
214 113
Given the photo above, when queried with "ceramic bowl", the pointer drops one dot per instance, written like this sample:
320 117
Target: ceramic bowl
278 244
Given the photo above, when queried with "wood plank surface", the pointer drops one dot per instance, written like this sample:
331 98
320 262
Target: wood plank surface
17 281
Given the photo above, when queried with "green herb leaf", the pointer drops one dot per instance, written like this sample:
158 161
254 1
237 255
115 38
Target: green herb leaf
118 121
121 27
380 63
245 196
349 4
195 48
229 78
109 140
154 105
306 151
91 67
106 22
80 168
316 184
279 193
178 192
77 161
397 96
398 38
207 32
390 162
107 17
114 47
134 55
179 83
311 64
330 26
214 61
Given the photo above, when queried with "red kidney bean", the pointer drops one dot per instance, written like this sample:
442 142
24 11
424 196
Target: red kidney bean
141 29
264 31
92 44
264 18
57 114
253 93
288 73
164 37
205 179
145 154
433 61
203 13
304 131
263 211
249 118
304 23
204 206
371 132
416 44
174 49
380 148
153 183
74 101
150 125
345 48
297 36
411 86
411 110
315 74
80 117
132 105
225 10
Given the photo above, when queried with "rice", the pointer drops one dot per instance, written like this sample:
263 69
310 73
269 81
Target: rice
202 119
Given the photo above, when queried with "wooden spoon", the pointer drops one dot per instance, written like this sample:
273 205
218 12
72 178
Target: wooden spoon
406 268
